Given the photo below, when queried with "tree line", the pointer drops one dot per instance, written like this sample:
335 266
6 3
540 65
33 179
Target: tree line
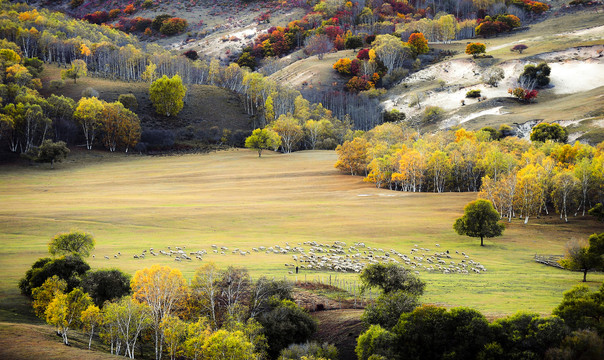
521 179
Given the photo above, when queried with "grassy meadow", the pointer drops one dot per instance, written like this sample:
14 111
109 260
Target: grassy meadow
235 199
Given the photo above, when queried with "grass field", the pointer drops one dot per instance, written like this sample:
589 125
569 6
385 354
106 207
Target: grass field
236 199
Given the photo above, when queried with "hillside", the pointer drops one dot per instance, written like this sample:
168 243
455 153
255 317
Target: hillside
199 121
572 43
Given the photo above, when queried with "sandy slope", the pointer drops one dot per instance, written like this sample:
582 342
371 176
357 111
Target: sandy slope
574 70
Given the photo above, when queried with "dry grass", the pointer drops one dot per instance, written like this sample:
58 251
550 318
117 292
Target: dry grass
235 199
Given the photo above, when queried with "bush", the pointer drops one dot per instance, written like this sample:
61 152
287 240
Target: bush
357 84
493 76
75 3
473 94
388 308
343 66
191 54
394 116
57 84
90 92
156 140
523 94
311 349
394 77
159 21
535 75
285 324
354 42
147 4
129 101
432 114
97 17
114 13
475 48
544 131
173 26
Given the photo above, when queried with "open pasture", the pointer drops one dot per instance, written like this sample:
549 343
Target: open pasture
235 199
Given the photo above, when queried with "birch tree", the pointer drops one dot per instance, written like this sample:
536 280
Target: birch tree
161 288
87 114
65 311
205 287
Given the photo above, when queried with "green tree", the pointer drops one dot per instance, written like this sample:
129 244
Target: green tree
480 219
390 278
582 308
580 344
167 95
284 324
308 350
78 69
388 308
269 110
597 211
585 257
544 131
535 75
73 243
68 268
262 139
374 342
224 344
106 285
174 335
50 151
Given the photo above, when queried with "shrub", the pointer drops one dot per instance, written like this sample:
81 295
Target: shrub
432 114
523 94
363 54
75 3
90 92
354 42
129 9
129 101
114 13
544 131
57 84
159 20
173 26
394 77
493 75
191 54
147 4
97 17
310 350
537 75
359 83
475 48
343 66
394 116
473 94
369 39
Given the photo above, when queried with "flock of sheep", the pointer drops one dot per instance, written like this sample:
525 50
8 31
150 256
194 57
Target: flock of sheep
337 257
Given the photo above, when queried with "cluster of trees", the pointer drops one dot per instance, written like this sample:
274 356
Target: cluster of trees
400 328
222 314
386 57
520 178
492 26
29 122
309 126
